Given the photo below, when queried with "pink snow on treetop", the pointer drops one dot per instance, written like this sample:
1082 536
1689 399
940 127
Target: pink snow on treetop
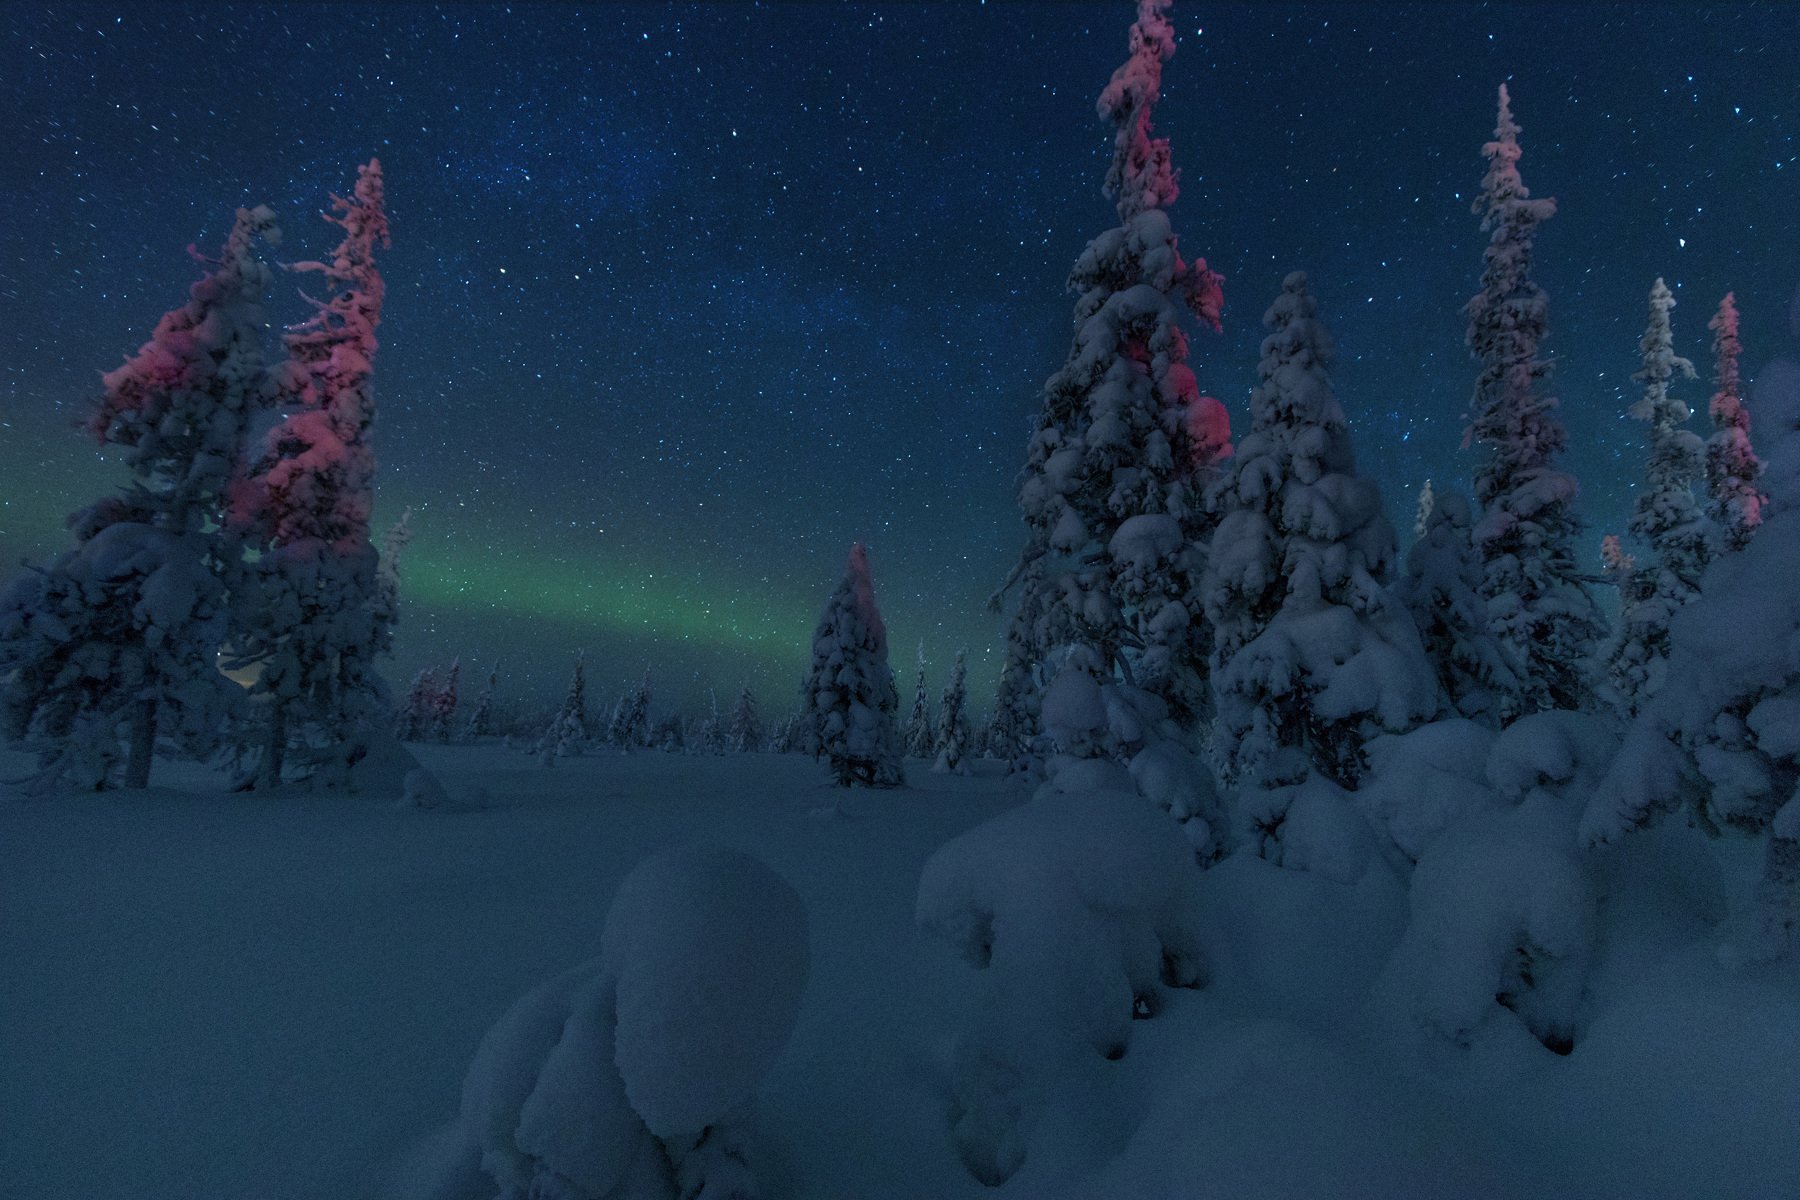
857 571
1143 175
1209 432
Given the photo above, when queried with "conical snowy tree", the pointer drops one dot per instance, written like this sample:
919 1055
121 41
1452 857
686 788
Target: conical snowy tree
849 701
630 726
443 704
413 722
1525 536
1732 468
311 610
746 731
568 729
1107 487
1441 589
953 749
1422 516
1312 657
481 716
1018 699
116 643
921 736
1664 517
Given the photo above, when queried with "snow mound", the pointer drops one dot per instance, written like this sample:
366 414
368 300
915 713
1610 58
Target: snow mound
1421 782
1081 907
1501 936
621 1077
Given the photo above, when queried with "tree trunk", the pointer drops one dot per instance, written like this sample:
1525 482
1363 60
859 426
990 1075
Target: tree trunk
268 772
143 744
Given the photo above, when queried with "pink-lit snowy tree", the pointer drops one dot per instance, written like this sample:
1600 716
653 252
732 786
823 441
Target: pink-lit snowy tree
118 640
1732 468
848 702
1125 440
1525 535
312 613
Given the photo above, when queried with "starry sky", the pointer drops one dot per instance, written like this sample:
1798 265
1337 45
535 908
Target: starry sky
685 299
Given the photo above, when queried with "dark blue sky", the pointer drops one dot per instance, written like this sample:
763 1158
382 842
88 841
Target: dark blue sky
682 300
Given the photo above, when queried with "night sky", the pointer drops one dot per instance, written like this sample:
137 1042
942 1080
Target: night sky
683 300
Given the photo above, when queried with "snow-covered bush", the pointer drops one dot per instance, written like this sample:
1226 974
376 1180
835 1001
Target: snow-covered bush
1504 913
629 1076
1080 908
1420 783
1501 935
849 701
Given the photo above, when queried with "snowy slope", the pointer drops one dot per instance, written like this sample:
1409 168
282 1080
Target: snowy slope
205 996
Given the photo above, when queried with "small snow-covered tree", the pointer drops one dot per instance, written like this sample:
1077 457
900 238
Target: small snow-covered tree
1441 589
1018 699
953 732
117 641
921 737
1664 516
443 704
413 722
1311 655
1124 431
1732 468
313 613
1422 517
630 725
1525 536
746 733
568 729
849 698
481 716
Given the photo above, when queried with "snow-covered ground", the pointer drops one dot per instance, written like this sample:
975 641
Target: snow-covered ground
214 996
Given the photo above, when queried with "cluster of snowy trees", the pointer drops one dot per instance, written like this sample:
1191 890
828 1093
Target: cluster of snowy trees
1229 632
218 552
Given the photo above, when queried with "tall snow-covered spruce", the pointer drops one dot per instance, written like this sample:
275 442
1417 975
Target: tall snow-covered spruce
1664 517
115 645
921 738
1441 588
1114 530
1311 657
848 702
310 611
1525 535
1732 468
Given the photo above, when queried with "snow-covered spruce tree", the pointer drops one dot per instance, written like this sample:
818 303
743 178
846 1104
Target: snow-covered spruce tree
746 731
1018 699
1525 536
849 701
312 612
394 542
118 639
1441 589
568 729
630 726
481 716
1311 657
1664 517
921 736
443 704
953 733
413 721
1124 430
1732 468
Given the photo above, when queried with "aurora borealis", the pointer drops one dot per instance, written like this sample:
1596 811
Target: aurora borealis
684 299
